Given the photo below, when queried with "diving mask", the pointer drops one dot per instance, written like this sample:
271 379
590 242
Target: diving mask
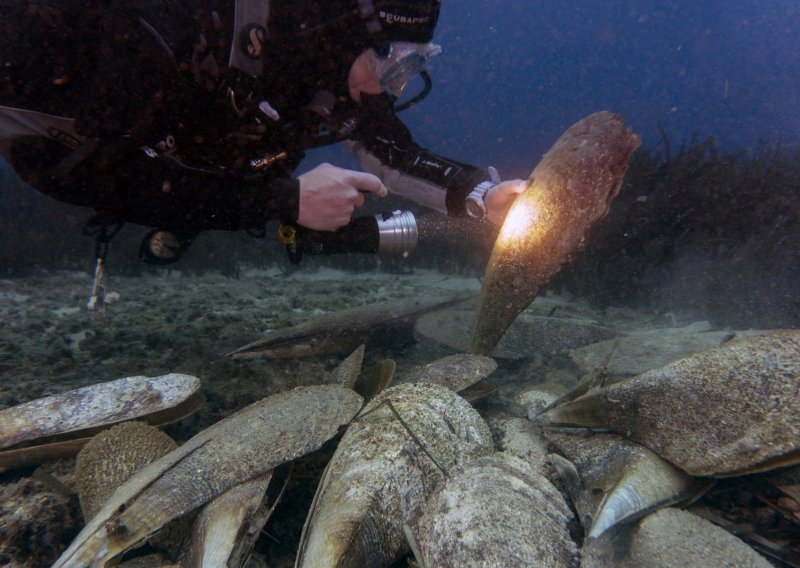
403 60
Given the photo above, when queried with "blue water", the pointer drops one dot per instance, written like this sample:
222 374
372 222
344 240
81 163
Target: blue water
515 73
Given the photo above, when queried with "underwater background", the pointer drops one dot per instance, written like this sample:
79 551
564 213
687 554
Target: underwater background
704 236
708 216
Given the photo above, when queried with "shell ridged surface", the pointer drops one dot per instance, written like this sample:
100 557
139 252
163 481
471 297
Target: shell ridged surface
496 511
114 456
725 411
380 476
245 445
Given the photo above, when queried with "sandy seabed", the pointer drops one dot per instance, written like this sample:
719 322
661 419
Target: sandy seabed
177 323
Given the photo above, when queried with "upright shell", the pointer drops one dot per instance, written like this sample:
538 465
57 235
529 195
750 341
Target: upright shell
570 191
384 470
226 528
726 411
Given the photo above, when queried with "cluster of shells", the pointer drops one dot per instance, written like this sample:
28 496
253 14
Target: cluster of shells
417 471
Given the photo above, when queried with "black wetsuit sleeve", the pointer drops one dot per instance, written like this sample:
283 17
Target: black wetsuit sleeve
386 148
157 190
164 191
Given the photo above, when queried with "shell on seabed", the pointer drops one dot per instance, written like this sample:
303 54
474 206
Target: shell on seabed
382 472
343 330
228 526
61 424
527 336
496 511
670 538
731 410
245 445
612 480
111 458
456 372
96 405
114 456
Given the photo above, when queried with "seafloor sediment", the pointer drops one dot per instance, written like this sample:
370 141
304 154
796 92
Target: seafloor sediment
175 323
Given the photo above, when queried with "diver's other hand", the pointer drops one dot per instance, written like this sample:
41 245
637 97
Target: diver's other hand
329 195
500 197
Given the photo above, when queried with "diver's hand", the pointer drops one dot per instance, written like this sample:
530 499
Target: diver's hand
500 197
329 195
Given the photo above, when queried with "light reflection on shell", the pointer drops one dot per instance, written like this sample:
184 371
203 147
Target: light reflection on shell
570 190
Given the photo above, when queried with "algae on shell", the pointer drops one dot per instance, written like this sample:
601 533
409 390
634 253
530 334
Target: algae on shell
384 469
496 511
726 411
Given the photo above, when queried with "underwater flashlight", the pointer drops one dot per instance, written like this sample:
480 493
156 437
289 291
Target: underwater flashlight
392 233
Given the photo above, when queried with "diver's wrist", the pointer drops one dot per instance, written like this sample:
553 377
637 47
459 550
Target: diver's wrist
475 204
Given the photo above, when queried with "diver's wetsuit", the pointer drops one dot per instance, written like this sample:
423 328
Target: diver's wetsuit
130 107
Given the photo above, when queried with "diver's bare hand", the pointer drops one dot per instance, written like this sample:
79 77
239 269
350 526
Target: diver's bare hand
329 195
499 198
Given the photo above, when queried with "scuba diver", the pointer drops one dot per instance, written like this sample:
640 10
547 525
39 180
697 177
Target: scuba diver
191 115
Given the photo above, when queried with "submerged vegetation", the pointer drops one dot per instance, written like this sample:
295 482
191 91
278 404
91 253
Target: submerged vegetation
694 229
701 230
